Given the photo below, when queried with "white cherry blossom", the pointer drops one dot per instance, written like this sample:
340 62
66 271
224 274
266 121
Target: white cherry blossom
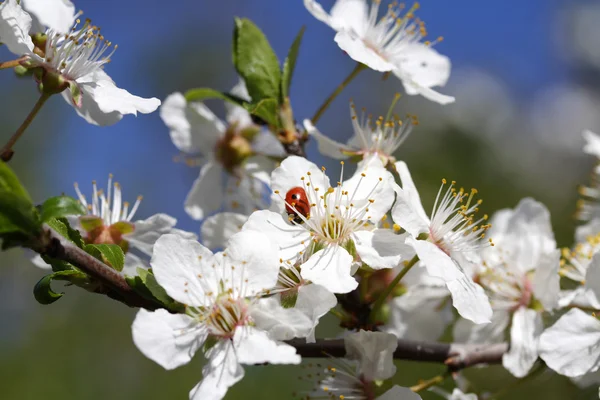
217 229
582 265
369 358
224 315
336 226
76 60
392 43
520 276
445 242
377 138
234 160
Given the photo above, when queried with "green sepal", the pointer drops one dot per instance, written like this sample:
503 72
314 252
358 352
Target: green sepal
76 94
289 64
201 94
289 298
42 291
123 226
90 222
267 110
255 61
61 206
110 254
350 246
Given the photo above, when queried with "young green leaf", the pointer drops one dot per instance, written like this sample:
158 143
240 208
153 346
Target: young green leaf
42 291
109 254
255 61
201 94
290 64
10 183
62 226
157 291
267 110
17 214
61 206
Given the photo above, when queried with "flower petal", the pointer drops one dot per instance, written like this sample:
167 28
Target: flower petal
571 346
381 248
290 173
592 276
58 15
193 127
168 339
592 143
525 331
357 49
327 147
351 15
184 269
220 373
317 11
330 268
146 232
438 263
253 346
408 211
206 195
217 229
15 25
235 114
424 67
470 300
314 301
374 352
281 323
546 280
399 393
466 331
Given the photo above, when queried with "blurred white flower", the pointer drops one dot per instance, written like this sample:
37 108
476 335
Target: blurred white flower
330 227
392 43
76 61
377 138
520 276
217 229
224 315
57 15
234 156
445 242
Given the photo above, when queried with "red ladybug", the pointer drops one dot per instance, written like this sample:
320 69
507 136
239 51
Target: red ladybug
296 197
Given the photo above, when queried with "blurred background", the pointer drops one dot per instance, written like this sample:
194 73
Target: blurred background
526 77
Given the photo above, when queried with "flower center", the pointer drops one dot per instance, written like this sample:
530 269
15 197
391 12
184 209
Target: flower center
232 150
225 315
341 382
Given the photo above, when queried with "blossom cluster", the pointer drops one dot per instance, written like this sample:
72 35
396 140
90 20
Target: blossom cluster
283 242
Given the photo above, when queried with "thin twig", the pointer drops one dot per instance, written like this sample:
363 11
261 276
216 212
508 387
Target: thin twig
11 63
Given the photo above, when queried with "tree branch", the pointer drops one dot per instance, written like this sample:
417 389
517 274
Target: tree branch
56 246
456 356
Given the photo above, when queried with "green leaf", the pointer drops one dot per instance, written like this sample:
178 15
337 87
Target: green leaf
61 206
290 63
255 61
267 109
62 226
14 239
110 254
10 183
17 214
201 94
42 291
146 285
150 281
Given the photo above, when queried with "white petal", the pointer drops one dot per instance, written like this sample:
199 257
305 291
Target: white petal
457 394
288 175
546 280
424 66
265 143
466 331
253 346
104 103
168 339
193 127
592 276
217 229
420 313
592 143
132 263
235 114
581 297
317 11
15 25
255 260
206 195
281 323
408 211
146 232
592 228
571 346
399 393
438 263
350 15
177 264
286 236
381 248
356 48
58 15
525 331
374 352
330 268
470 300
37 260
314 301
327 147
220 373
260 167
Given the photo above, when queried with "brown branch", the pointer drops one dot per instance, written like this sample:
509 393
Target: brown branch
56 246
455 356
